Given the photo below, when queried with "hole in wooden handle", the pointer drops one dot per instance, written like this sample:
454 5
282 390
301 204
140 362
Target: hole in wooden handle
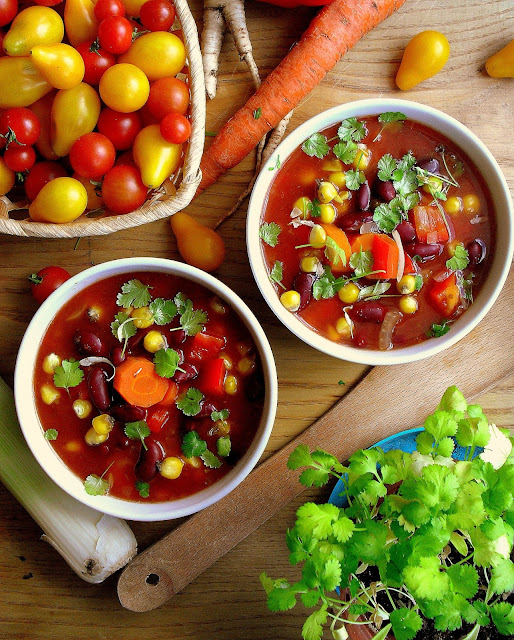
142 587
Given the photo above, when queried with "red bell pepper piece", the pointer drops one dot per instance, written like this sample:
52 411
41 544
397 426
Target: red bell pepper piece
444 295
410 267
206 346
156 418
430 225
212 377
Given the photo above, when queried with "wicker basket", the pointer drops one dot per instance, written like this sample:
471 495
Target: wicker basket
178 192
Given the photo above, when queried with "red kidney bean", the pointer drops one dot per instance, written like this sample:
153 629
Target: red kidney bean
406 231
385 190
363 196
98 388
369 311
127 412
179 336
354 221
146 466
429 164
476 251
206 408
303 285
88 343
117 356
188 372
424 251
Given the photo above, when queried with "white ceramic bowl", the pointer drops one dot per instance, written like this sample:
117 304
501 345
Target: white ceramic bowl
52 463
504 240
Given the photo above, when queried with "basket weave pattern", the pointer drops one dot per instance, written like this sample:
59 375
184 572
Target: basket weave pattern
156 207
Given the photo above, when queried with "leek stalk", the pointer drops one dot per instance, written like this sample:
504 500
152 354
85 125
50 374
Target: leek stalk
93 544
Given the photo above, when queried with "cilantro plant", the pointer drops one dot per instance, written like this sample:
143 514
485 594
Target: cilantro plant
421 535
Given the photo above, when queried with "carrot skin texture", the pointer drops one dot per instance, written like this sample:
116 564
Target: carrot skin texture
332 32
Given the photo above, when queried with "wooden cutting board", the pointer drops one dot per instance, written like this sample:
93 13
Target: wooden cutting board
388 400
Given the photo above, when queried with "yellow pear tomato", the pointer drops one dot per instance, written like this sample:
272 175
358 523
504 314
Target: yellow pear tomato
33 26
21 83
124 87
80 21
159 54
60 200
424 56
501 64
61 65
156 158
7 178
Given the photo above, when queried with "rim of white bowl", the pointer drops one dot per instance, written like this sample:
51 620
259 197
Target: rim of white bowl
45 454
492 174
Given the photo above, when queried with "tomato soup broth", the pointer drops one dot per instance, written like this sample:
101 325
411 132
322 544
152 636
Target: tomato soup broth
359 242
208 367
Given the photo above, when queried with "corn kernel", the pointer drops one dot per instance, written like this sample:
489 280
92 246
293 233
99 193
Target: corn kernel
51 361
327 213
453 205
326 192
317 236
290 300
408 304
195 462
332 333
143 318
94 313
171 467
471 203
231 385
434 184
93 438
246 364
451 247
222 427
332 164
228 361
362 158
343 328
304 204
309 264
82 408
338 178
49 394
349 293
154 341
406 285
103 424
342 197
217 306
73 446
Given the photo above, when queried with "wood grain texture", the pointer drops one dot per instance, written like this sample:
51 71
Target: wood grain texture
227 601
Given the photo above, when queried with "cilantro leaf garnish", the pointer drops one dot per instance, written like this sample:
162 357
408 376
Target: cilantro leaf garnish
192 445
418 281
138 430
316 145
438 330
220 415
277 165
257 113
345 151
163 311
189 403
180 301
374 291
391 116
460 259
123 327
277 273
386 165
223 446
354 179
313 208
133 294
143 488
327 285
192 320
269 232
68 374
166 362
51 434
387 217
210 460
351 130
96 485
333 252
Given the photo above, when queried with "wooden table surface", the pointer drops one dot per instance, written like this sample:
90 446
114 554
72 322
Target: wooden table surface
40 597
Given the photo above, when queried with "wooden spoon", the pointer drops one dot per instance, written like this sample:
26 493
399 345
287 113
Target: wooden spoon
388 400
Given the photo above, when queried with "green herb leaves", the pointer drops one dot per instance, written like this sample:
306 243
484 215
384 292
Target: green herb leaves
189 403
269 233
277 273
68 374
137 431
316 145
460 259
133 294
194 446
166 362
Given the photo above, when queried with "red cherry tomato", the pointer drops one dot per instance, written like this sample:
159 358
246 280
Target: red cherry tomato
107 8
120 128
123 190
46 281
96 61
48 3
115 34
23 123
19 157
8 9
175 128
168 95
157 15
92 155
39 175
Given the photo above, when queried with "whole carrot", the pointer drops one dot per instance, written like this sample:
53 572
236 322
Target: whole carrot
332 32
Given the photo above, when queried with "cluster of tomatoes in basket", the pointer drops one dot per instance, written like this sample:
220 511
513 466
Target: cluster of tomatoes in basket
94 103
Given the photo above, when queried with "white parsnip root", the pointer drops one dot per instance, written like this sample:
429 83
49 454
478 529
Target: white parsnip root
93 544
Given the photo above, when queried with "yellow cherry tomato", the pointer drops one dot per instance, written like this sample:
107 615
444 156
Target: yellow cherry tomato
156 158
61 65
80 21
501 64
33 26
74 112
158 54
60 200
133 7
21 83
124 87
425 55
7 178
200 246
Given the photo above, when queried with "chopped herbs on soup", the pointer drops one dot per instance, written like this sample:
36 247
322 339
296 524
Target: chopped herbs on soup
377 232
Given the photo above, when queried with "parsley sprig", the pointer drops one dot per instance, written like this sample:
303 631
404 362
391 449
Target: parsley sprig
404 535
